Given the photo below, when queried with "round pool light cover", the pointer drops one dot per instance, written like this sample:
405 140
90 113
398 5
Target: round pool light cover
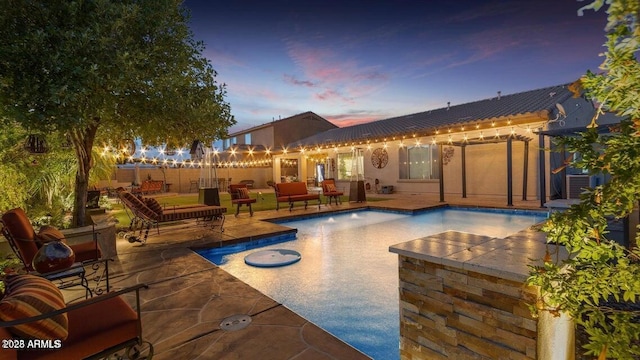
272 258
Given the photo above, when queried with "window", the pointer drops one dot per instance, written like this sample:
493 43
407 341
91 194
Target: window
247 139
348 164
419 162
227 143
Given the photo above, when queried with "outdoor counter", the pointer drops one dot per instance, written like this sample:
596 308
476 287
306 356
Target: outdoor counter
464 295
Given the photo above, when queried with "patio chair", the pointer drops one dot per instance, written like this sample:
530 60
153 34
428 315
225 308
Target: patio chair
95 328
240 196
330 191
26 244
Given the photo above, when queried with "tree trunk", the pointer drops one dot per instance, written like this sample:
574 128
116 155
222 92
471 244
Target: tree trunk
82 140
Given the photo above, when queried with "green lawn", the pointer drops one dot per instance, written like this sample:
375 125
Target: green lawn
266 201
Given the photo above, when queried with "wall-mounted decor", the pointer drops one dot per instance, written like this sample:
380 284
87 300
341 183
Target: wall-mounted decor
379 158
447 154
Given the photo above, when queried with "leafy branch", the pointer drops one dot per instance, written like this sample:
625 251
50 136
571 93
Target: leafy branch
599 284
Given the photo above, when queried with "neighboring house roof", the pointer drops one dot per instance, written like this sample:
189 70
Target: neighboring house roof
266 125
502 106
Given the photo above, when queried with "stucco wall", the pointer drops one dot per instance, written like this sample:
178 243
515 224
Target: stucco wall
486 170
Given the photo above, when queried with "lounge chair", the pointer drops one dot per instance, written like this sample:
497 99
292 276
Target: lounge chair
330 191
95 328
240 196
26 244
147 212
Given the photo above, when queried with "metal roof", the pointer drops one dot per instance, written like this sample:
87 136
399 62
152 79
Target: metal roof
533 101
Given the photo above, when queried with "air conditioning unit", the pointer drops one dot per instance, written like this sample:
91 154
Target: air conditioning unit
576 185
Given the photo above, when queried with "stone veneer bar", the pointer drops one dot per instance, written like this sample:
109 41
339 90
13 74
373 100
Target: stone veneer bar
462 296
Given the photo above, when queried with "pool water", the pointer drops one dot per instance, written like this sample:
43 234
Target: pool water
347 280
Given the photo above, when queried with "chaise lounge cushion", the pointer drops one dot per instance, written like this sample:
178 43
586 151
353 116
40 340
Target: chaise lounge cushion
139 205
154 205
192 213
30 295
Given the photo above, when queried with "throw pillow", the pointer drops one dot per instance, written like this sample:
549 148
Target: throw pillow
30 295
331 188
243 193
49 233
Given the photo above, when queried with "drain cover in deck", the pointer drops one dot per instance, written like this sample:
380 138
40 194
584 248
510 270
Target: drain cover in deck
235 322
272 258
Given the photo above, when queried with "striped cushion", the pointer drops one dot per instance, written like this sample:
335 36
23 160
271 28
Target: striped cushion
192 213
243 193
30 295
138 205
154 205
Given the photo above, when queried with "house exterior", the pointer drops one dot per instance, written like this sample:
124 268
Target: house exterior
259 153
496 147
492 147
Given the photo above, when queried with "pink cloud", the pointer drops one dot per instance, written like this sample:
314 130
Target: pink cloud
294 81
341 79
352 120
354 117
328 95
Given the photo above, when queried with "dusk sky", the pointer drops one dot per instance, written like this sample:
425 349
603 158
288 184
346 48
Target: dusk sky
356 61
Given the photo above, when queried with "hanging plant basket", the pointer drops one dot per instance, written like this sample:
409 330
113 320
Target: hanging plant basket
36 144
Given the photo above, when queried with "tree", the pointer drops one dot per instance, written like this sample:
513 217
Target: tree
104 71
599 285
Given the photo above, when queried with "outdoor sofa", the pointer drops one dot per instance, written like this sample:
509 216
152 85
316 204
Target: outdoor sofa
149 187
292 192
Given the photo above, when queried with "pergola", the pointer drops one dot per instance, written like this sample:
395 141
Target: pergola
508 139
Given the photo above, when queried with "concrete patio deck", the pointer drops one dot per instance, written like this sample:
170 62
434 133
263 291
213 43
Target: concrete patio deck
188 297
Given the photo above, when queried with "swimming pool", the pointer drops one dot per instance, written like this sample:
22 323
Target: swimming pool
347 280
